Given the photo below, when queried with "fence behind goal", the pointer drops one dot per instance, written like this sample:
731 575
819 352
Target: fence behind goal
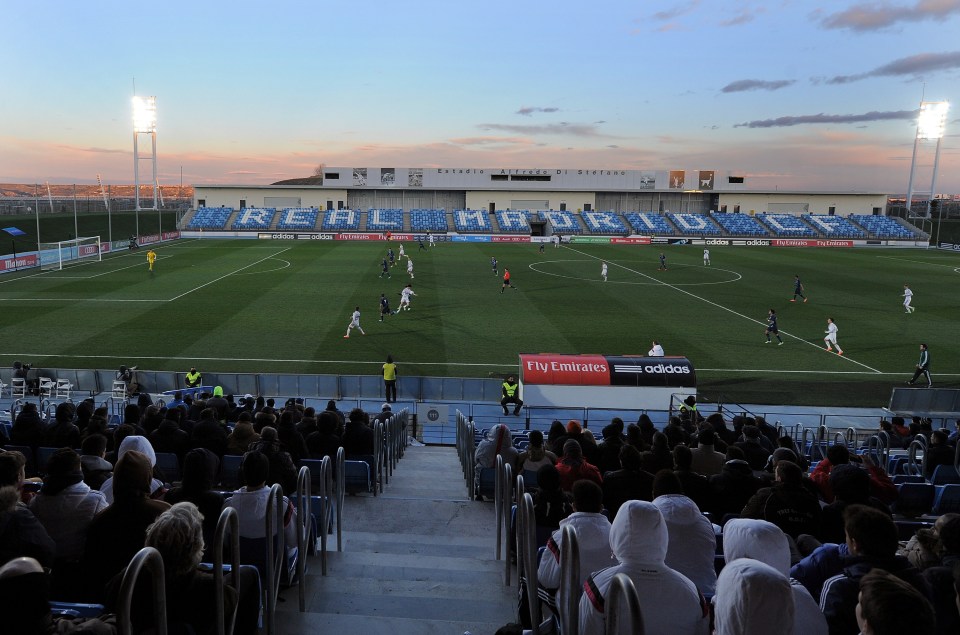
56 256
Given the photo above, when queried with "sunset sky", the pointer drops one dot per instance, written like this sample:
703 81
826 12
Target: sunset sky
805 94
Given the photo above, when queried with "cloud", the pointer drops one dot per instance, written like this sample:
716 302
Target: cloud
479 141
241 172
613 146
784 122
742 85
529 110
912 65
875 16
676 11
743 16
562 128
94 150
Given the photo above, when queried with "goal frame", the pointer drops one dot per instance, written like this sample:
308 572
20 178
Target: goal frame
54 256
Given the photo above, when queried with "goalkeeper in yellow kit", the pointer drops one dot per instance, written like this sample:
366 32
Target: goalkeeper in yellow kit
151 258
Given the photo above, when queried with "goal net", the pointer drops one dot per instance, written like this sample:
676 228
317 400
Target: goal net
55 256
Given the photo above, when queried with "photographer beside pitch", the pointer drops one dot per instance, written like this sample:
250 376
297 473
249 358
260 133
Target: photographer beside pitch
129 377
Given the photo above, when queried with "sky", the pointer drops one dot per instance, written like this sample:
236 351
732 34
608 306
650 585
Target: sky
793 94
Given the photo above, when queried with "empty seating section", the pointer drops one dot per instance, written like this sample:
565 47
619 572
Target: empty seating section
787 225
603 223
298 218
514 220
255 218
834 226
341 220
428 220
698 224
561 222
472 220
884 227
649 223
210 218
739 224
381 220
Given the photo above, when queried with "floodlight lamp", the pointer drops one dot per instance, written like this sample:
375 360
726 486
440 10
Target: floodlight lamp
145 114
932 120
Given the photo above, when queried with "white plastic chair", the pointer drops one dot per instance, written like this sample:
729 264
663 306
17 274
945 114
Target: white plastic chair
63 388
47 386
18 388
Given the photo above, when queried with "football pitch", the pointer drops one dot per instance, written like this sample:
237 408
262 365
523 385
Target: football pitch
283 306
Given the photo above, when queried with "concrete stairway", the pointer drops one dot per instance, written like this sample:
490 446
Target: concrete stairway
417 559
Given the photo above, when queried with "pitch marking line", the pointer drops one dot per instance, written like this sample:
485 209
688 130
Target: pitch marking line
103 273
467 364
689 284
257 273
720 306
207 284
920 262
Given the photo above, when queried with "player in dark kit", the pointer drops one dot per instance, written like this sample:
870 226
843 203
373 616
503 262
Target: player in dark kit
384 268
493 264
798 289
390 257
385 307
772 327
663 262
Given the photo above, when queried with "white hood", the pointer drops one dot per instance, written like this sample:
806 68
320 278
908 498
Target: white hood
639 534
139 444
757 539
753 599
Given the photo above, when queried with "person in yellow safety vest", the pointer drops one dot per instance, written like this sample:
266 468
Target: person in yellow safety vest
511 394
390 379
193 378
689 408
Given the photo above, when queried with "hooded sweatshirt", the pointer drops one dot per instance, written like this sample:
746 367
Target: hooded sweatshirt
670 602
764 541
140 444
692 544
498 442
753 599
593 540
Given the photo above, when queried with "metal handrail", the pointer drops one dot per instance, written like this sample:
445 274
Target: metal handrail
340 486
506 501
377 458
528 556
150 558
913 469
851 435
622 591
304 514
325 495
229 521
568 595
956 459
498 503
276 553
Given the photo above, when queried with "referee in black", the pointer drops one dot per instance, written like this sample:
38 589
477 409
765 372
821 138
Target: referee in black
923 367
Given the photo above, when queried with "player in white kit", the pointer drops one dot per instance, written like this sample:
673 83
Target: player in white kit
603 271
410 267
831 338
401 253
354 323
405 298
907 299
706 257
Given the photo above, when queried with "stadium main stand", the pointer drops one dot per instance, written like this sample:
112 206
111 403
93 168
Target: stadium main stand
739 224
787 225
513 221
696 224
834 226
428 220
883 226
381 220
255 218
472 220
561 222
603 222
649 223
298 218
341 220
210 218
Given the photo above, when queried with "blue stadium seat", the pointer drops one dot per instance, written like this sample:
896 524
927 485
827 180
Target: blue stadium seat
43 455
603 223
513 221
168 466
942 474
561 222
210 218
356 477
696 224
255 218
487 480
381 220
302 218
649 223
899 479
428 220
230 471
739 224
915 499
947 500
472 220
884 227
787 225
834 226
341 220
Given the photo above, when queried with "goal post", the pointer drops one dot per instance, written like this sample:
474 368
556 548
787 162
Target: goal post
56 256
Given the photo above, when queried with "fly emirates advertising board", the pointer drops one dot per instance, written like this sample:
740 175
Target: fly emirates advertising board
604 381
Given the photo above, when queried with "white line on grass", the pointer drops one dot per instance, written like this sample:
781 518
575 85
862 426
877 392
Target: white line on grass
102 273
719 306
598 279
919 262
207 284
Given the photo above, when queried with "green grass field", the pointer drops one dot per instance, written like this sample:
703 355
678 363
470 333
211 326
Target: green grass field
283 306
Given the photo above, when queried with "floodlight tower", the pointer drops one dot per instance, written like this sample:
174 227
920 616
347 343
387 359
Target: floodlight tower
144 122
930 125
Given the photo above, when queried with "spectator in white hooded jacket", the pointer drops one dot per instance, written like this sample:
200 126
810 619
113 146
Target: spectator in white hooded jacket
753 599
693 542
764 541
670 602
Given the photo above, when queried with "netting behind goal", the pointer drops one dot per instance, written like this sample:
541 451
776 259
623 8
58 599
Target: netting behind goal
54 256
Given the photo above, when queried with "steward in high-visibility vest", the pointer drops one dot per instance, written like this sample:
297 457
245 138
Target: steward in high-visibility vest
194 378
511 394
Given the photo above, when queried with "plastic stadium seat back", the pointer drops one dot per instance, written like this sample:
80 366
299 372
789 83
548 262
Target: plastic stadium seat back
487 481
356 477
169 466
945 475
915 499
947 500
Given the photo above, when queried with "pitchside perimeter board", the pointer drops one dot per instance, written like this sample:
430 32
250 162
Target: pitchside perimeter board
604 381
